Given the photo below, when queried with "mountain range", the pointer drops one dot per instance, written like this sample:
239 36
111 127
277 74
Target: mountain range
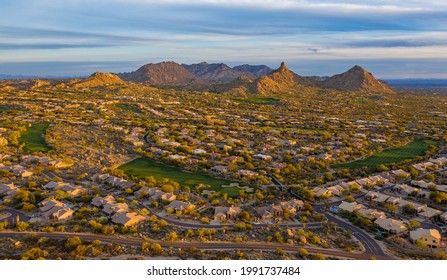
219 77
259 79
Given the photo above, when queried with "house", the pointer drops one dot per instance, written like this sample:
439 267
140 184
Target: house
219 169
321 191
61 214
52 209
378 179
248 173
350 206
364 182
54 185
101 201
423 184
439 161
404 188
160 195
262 156
199 151
127 219
73 191
19 171
428 213
401 173
47 204
125 185
431 237
376 197
425 165
270 211
144 191
371 214
390 225
6 189
179 205
292 206
111 208
226 213
99 177
168 197
336 190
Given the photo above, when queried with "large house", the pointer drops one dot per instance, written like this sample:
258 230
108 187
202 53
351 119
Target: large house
292 205
269 212
112 180
109 205
390 225
226 213
7 189
72 190
350 207
127 219
180 205
53 209
431 237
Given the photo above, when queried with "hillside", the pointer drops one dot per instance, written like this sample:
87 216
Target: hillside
280 80
215 72
356 79
98 79
253 71
222 73
164 73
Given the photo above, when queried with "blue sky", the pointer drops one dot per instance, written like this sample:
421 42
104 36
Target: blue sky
392 39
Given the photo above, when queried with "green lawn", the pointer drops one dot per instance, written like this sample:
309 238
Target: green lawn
4 108
33 138
128 107
143 167
259 100
393 155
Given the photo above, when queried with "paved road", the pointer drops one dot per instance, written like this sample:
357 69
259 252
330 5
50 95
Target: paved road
130 241
372 247
14 214
221 226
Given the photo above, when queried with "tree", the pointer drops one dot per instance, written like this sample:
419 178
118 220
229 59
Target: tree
156 249
409 209
382 168
391 207
244 216
21 226
414 224
167 188
72 243
146 248
171 236
302 252
35 254
429 177
319 256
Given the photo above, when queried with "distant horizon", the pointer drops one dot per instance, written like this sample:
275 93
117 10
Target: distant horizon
5 76
391 39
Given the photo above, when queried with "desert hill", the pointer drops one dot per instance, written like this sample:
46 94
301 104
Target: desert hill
98 79
222 73
356 79
164 73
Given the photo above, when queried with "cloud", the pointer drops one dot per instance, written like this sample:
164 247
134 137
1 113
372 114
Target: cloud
339 6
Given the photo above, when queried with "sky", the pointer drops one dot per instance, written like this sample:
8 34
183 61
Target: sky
390 38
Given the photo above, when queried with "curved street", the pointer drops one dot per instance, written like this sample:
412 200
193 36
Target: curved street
372 246
131 241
